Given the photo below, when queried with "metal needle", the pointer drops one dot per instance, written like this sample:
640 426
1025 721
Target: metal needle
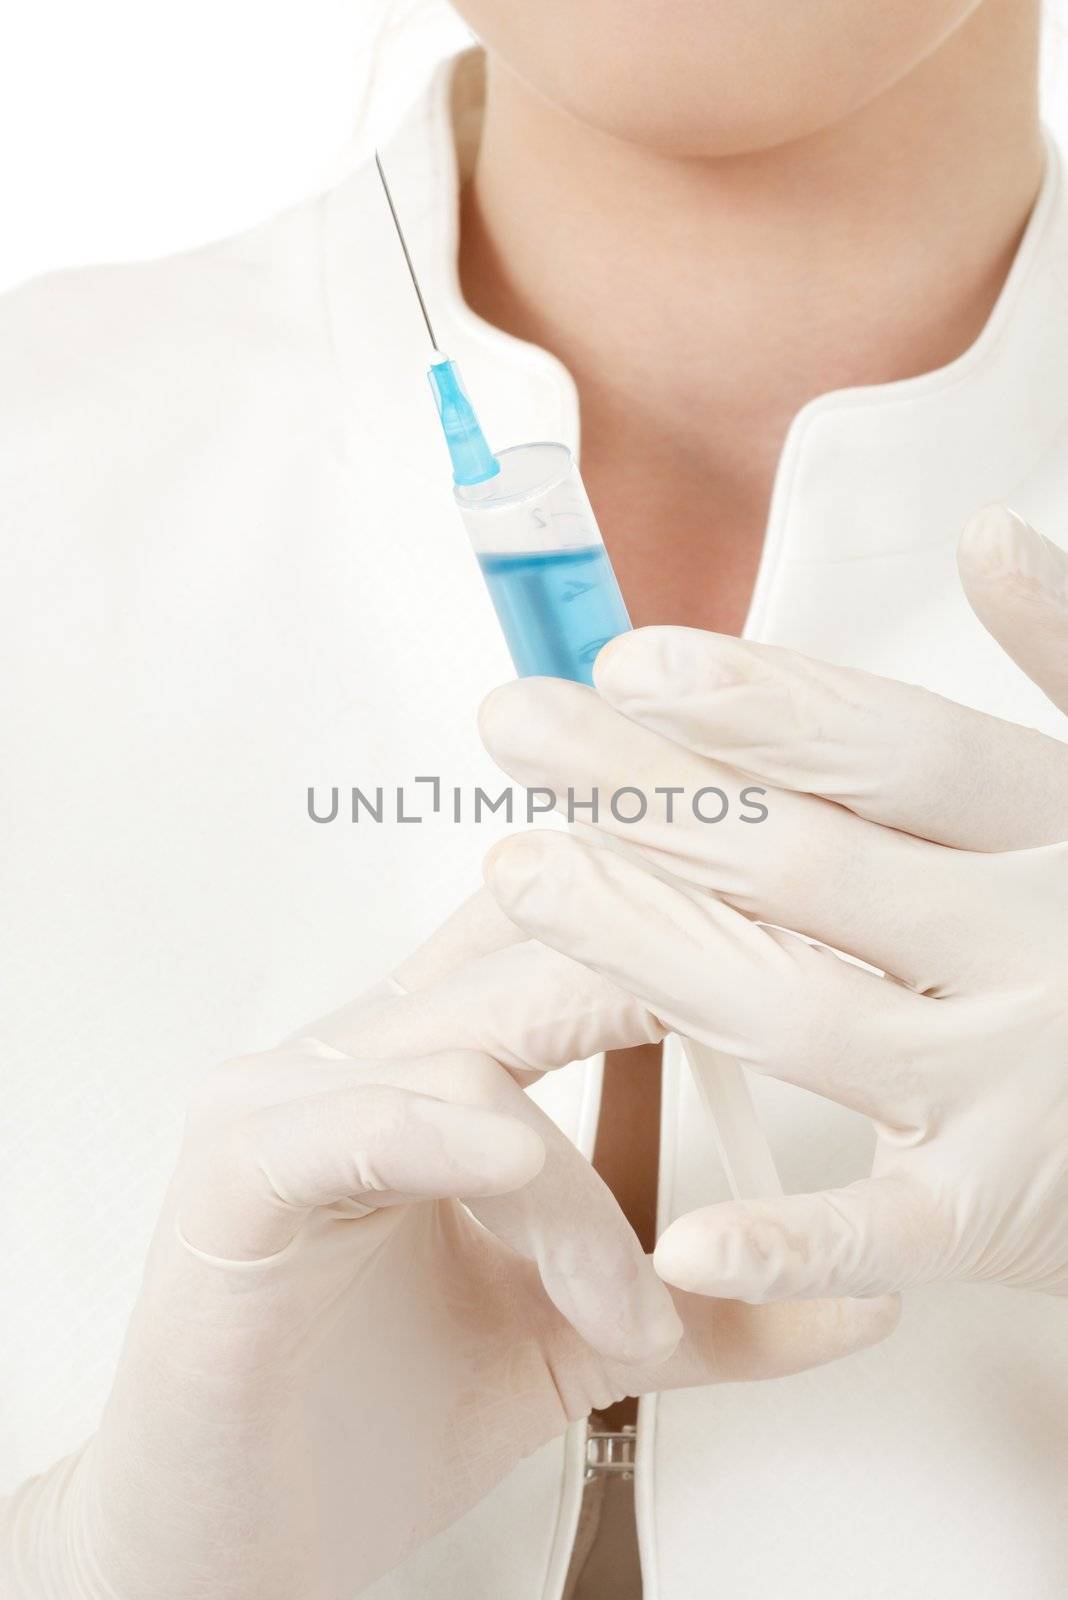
404 247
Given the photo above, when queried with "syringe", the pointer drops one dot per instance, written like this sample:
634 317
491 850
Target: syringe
552 585
532 528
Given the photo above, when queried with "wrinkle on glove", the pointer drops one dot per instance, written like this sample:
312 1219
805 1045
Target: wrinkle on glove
920 837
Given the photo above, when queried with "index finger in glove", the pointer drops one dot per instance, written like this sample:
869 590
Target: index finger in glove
528 1006
476 928
480 983
889 751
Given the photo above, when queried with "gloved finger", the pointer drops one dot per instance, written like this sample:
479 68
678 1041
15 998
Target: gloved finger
532 1010
889 751
590 1260
564 1218
809 865
474 988
474 929
871 1238
776 1003
363 1143
1017 585
527 1006
728 1341
480 984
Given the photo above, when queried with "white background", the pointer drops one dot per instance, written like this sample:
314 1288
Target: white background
131 128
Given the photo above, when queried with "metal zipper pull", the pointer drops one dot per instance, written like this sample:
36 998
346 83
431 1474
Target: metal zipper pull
611 1454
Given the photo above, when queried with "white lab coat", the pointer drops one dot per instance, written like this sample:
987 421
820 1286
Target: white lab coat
233 570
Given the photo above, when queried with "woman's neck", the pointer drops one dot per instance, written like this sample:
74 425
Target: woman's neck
700 303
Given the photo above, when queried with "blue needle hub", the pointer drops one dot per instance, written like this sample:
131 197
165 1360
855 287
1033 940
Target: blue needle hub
472 459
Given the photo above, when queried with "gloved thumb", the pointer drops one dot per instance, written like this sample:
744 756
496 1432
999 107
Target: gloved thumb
875 1237
1016 582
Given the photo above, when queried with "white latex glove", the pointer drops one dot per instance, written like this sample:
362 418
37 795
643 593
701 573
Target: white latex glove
940 862
331 1359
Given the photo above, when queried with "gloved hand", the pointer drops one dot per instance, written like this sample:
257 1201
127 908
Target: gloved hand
936 856
330 1359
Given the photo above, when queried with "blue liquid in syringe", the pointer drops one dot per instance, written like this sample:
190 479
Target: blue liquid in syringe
557 608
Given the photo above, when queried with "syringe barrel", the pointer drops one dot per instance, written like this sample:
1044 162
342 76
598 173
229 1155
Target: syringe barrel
544 561
536 502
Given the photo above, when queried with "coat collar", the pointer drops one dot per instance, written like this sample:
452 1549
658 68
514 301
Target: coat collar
865 473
